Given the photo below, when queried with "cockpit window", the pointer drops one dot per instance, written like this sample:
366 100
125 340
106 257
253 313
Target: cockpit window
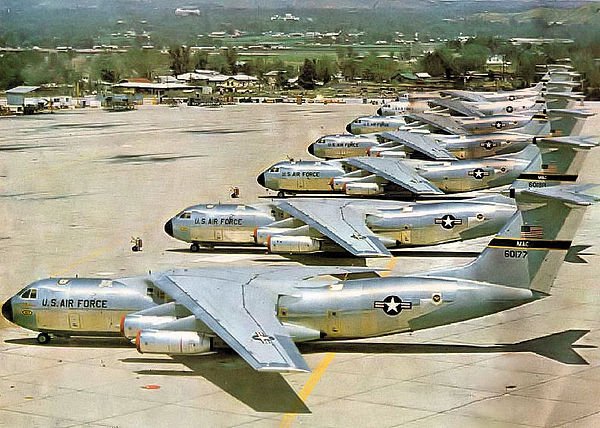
186 214
274 170
29 294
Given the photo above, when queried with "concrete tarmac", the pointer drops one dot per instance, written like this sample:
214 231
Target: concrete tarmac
76 186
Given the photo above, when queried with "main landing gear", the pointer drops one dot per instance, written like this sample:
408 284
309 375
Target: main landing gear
43 338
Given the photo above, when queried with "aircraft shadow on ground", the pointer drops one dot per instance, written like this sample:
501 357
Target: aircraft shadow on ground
269 392
261 391
75 342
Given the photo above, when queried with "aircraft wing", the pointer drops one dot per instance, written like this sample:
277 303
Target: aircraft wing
241 314
456 106
340 222
397 172
443 123
465 95
421 143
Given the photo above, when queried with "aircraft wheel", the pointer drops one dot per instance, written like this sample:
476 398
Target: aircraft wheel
281 194
43 338
194 248
134 248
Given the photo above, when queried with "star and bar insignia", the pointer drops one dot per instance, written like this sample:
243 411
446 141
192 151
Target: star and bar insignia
479 173
448 221
262 337
488 145
392 305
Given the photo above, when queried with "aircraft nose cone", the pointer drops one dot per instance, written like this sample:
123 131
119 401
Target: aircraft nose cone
311 149
349 127
7 311
261 179
379 111
169 228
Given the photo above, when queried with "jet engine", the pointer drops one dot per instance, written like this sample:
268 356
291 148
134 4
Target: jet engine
172 342
292 244
366 189
131 324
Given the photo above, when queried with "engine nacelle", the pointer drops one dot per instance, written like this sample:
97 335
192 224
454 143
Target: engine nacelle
172 342
292 244
362 189
261 234
131 324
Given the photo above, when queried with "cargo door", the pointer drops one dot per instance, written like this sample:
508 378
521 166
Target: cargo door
405 238
74 321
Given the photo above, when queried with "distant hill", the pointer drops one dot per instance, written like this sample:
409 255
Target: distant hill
580 15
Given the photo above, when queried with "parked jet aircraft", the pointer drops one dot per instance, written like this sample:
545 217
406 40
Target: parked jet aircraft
392 177
261 311
369 124
410 143
364 228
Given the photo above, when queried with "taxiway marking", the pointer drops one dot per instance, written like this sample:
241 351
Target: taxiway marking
288 418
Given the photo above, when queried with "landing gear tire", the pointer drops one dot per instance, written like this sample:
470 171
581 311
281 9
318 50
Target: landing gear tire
194 248
43 338
134 248
281 194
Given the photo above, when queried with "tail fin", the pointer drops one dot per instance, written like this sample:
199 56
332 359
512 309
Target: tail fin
561 100
538 125
559 160
530 248
567 121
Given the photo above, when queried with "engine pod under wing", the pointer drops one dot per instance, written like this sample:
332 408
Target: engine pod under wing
239 313
340 222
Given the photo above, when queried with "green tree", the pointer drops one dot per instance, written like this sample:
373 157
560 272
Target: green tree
200 60
325 68
180 61
525 64
308 74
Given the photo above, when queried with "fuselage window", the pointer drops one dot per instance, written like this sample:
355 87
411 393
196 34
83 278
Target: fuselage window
274 169
186 215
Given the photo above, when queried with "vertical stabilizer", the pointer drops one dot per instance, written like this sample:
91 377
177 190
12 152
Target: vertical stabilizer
528 251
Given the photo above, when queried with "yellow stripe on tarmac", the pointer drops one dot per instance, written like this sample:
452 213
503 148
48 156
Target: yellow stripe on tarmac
288 419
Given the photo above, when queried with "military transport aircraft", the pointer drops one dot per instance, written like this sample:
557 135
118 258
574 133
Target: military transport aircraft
556 119
435 146
391 177
260 311
364 228
370 124
367 227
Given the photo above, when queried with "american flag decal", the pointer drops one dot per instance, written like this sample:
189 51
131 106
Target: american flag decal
532 232
549 168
